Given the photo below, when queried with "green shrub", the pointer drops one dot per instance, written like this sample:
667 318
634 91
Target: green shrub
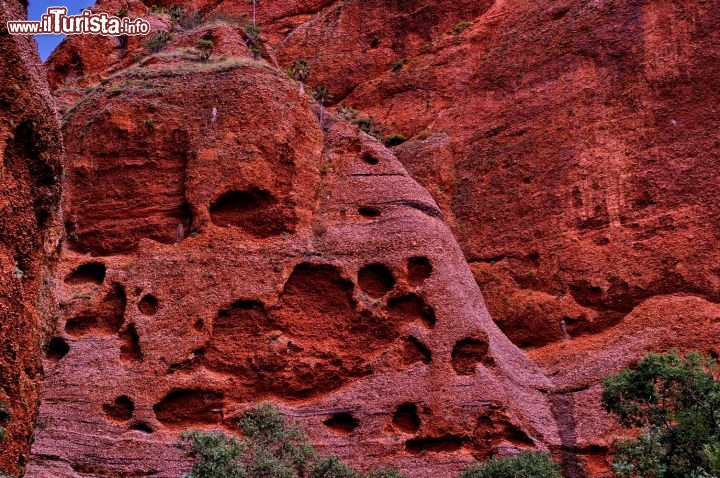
158 40
184 19
332 467
252 33
257 51
299 70
271 447
156 9
206 47
394 139
266 429
398 65
676 403
365 124
523 465
322 94
216 454
461 27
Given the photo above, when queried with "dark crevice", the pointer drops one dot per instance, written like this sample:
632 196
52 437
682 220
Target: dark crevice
406 418
562 408
445 443
342 422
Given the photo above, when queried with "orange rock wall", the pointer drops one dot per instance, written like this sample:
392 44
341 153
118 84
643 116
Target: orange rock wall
30 175
565 153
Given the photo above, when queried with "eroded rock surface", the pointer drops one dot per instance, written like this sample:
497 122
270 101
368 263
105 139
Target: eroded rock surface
214 262
30 174
569 145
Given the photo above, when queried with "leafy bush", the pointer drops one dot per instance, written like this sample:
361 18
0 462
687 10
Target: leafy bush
217 454
184 19
206 47
523 465
271 447
257 51
398 65
253 40
156 9
252 33
367 125
676 402
322 94
299 70
332 467
158 40
461 27
394 139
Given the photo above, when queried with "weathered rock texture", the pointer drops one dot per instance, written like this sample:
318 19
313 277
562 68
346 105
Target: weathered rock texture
30 153
214 261
571 146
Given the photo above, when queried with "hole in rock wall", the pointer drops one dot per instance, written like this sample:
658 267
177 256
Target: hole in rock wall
142 427
375 280
406 418
342 422
255 211
445 443
185 407
148 305
469 352
419 269
369 212
130 345
56 349
314 341
88 273
121 409
410 308
496 425
80 325
370 159
107 320
416 351
560 13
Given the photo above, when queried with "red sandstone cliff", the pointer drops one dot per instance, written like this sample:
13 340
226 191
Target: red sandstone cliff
30 173
569 145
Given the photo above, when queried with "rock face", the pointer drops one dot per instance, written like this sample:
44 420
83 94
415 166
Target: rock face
30 154
569 147
218 260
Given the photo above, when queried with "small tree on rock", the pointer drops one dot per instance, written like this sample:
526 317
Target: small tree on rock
675 402
300 72
321 95
206 47
523 465
271 447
